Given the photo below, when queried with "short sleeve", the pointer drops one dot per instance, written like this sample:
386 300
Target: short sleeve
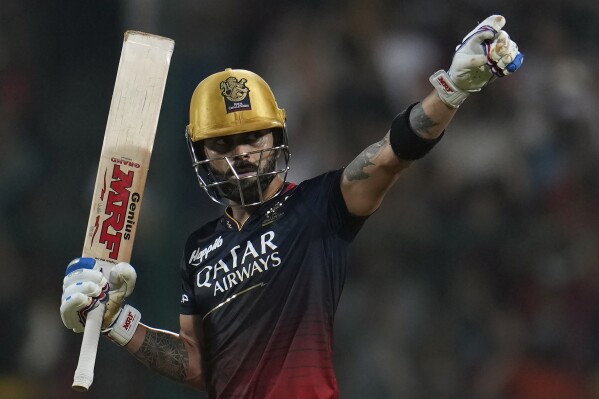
323 194
188 302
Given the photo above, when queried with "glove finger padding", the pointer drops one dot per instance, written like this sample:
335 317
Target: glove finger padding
77 300
491 25
84 275
122 280
503 56
88 281
73 310
123 277
83 286
87 288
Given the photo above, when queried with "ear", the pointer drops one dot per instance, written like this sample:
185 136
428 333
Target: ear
200 149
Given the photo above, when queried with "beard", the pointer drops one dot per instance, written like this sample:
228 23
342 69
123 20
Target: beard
247 190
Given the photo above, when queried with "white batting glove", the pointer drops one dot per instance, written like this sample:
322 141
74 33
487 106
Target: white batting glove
88 281
485 53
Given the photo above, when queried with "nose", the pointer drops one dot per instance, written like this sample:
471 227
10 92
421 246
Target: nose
242 148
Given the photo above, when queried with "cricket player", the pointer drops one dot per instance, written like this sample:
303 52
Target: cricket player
261 283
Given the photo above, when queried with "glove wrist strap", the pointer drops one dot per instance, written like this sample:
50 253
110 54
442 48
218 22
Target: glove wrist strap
449 93
124 327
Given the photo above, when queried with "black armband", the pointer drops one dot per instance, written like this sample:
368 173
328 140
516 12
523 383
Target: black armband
405 142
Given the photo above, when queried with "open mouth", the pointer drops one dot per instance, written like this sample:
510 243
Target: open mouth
244 171
243 174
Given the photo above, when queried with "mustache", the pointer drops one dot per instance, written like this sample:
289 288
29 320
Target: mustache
241 167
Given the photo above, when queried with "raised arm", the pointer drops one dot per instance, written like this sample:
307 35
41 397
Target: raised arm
484 54
371 174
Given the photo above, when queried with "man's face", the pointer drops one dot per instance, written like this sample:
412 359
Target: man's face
242 161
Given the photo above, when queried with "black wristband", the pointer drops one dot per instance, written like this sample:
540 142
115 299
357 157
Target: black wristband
405 143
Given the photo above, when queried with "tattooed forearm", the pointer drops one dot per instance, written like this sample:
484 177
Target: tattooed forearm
420 121
355 170
165 353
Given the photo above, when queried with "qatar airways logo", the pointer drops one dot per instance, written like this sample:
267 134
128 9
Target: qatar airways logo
241 263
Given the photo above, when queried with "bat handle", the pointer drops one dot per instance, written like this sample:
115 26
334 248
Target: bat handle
84 374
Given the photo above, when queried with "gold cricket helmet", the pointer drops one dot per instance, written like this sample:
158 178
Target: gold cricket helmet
230 102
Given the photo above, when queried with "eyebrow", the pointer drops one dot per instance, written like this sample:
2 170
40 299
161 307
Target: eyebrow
257 133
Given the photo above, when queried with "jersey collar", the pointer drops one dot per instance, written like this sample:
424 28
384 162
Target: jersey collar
266 213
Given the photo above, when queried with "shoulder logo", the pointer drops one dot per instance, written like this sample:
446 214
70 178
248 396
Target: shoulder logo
236 94
201 254
273 213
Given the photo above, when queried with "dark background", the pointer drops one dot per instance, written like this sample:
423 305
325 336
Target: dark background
479 276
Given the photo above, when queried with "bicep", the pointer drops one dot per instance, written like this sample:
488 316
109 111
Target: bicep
191 330
369 176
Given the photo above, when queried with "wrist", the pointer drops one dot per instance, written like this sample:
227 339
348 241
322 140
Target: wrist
124 327
448 91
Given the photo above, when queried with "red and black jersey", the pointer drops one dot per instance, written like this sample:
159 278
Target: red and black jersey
267 293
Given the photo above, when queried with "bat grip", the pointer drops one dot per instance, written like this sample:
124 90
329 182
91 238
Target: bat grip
84 374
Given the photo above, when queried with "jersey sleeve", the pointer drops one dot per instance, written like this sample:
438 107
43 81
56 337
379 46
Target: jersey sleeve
188 302
323 193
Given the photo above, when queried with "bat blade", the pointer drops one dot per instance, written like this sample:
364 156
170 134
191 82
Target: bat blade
123 168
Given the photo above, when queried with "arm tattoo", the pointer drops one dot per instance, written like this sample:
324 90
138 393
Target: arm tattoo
165 353
420 121
355 170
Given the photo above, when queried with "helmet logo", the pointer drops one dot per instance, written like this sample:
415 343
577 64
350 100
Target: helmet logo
235 94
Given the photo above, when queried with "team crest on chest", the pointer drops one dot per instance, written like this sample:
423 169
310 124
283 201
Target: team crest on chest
236 94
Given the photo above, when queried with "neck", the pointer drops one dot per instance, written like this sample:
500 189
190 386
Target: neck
241 213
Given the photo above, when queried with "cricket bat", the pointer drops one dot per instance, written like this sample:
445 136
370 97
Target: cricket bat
123 168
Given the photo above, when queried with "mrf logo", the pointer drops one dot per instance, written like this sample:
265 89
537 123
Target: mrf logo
119 211
444 84
127 325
